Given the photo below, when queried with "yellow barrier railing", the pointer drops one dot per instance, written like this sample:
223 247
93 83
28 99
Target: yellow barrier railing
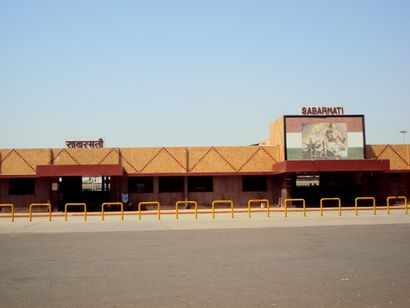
295 200
112 203
220 202
397 198
75 204
149 203
48 205
261 201
339 204
186 202
356 210
11 206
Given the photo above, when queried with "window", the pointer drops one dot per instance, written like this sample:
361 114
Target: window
141 184
21 186
171 184
95 183
307 180
200 184
254 183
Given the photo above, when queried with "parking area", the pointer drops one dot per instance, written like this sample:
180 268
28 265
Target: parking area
319 266
313 261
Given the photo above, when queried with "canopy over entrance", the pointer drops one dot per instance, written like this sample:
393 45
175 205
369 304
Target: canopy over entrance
362 165
79 170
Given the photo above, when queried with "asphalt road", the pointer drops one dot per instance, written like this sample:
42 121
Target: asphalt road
340 266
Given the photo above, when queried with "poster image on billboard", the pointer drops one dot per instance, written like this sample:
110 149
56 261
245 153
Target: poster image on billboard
324 141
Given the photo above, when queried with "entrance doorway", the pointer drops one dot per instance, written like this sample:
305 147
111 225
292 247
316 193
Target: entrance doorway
313 187
90 190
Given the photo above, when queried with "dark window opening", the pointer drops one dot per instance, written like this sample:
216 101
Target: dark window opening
21 186
141 184
171 184
200 184
254 183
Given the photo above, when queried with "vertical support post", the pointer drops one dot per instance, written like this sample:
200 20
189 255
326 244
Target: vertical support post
321 207
304 208
356 210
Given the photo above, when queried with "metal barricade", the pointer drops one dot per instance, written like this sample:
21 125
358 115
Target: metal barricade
75 204
48 205
220 202
404 198
11 206
186 202
112 203
356 210
261 201
295 200
339 203
149 203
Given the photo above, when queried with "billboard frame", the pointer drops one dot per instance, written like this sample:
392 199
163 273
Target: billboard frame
285 117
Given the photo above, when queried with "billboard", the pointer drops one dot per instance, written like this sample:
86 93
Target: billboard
324 138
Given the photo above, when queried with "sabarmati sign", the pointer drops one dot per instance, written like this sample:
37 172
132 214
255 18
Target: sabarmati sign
332 111
85 144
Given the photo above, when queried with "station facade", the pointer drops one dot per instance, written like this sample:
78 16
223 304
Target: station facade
310 156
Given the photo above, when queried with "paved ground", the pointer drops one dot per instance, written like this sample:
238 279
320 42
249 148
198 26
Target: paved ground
354 264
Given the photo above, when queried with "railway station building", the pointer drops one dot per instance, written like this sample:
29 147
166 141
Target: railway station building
320 153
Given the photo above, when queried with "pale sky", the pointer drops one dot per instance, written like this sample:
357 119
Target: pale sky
197 73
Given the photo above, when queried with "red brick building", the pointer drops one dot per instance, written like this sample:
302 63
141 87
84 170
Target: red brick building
308 157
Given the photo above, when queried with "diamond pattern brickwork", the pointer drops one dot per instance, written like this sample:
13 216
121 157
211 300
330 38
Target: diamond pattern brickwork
174 160
398 154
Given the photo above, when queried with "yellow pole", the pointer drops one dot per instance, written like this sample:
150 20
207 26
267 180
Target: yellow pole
268 208
196 210
304 208
286 208
388 205
232 208
213 210
374 206
176 211
102 212
340 208
321 207
249 209
139 211
65 212
355 207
